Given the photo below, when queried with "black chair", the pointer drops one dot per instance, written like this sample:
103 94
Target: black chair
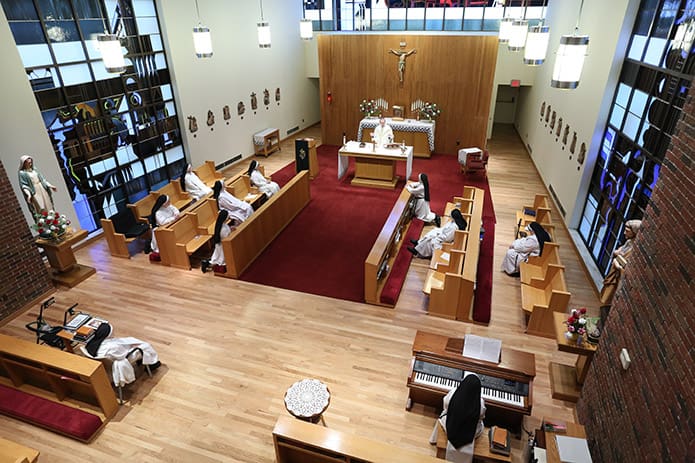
120 229
45 332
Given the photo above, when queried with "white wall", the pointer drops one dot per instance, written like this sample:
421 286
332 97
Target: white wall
237 68
608 25
21 127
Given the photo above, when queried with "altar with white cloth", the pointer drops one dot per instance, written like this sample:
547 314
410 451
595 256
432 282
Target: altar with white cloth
418 134
374 166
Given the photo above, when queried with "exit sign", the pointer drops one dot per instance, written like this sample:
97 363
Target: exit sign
516 83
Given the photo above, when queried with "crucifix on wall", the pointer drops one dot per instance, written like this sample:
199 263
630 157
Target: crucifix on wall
402 55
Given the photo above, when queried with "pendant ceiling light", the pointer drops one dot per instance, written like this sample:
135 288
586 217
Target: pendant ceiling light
505 29
306 26
306 29
518 31
263 31
109 45
517 35
537 43
569 60
202 40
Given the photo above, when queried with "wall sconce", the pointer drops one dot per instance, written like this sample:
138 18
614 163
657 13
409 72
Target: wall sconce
569 60
263 31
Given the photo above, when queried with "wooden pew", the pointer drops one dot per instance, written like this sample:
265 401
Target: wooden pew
240 187
207 173
16 453
179 239
380 259
179 198
143 207
297 441
452 291
249 239
206 210
541 209
537 266
122 229
539 303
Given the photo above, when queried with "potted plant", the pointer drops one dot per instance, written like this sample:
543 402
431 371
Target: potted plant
51 225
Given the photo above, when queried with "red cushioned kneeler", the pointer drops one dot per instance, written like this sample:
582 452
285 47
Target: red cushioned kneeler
396 278
48 414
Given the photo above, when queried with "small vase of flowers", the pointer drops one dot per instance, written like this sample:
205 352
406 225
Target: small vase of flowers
576 325
51 225
430 111
368 108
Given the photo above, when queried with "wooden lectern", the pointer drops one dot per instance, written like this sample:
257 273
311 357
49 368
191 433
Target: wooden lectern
313 157
65 269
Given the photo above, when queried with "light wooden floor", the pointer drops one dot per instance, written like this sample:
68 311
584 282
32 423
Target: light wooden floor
230 349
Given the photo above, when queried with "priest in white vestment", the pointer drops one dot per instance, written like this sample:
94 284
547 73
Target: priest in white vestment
383 134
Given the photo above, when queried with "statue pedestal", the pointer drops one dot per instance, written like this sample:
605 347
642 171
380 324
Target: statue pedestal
64 267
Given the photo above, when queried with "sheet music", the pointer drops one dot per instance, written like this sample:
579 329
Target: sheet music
481 348
573 449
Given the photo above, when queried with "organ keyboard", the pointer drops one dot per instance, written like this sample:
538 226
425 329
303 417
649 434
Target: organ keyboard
439 366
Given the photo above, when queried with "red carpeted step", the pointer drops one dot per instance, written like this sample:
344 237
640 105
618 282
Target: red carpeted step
401 264
48 414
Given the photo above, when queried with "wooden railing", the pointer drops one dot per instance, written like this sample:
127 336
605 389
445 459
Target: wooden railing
250 238
380 259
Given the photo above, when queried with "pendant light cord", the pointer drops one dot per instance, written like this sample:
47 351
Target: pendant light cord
581 7
261 10
197 11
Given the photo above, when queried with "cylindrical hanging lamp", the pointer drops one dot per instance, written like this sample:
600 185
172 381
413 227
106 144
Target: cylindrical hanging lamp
306 29
517 36
202 41
569 61
111 53
505 29
536 45
264 34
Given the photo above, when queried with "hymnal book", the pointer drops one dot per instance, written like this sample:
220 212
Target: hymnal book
530 212
482 348
499 441
557 426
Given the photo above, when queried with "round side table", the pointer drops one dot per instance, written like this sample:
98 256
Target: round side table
307 400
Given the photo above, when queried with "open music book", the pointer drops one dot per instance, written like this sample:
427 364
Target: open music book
481 348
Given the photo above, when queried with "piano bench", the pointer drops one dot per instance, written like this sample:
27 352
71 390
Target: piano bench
481 451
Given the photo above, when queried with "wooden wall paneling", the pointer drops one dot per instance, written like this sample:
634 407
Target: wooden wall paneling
456 72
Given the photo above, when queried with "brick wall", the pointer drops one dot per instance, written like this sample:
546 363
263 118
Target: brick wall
647 413
23 275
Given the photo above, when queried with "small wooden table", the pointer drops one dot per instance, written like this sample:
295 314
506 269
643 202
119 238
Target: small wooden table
565 380
374 166
307 400
65 269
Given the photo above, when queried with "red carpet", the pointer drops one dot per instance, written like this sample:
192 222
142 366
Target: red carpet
323 250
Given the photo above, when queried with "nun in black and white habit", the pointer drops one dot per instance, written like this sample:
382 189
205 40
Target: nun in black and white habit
103 347
222 230
462 417
238 210
421 191
259 181
435 238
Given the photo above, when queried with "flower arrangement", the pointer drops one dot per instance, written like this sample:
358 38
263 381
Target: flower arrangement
51 225
430 111
369 108
576 323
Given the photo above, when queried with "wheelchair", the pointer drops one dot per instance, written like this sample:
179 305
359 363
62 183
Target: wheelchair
45 332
